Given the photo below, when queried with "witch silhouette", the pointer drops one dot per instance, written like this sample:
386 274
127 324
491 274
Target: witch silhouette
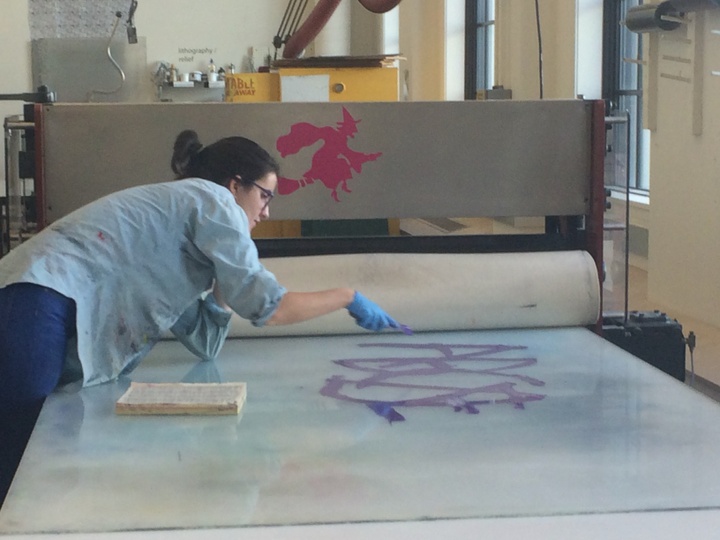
333 163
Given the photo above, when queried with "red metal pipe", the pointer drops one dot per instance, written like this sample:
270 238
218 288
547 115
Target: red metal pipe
379 6
319 17
309 29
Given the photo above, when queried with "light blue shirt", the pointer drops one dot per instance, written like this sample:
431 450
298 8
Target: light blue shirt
139 262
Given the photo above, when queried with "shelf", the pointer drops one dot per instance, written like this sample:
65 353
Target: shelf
195 84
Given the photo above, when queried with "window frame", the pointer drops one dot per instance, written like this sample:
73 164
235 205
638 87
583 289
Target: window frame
479 46
622 76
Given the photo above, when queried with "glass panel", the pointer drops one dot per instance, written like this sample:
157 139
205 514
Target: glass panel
481 81
490 44
630 69
629 104
485 46
629 100
616 156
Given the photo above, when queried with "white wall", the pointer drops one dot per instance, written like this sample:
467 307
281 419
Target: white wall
229 29
589 49
422 42
684 257
14 54
14 62
366 31
454 72
334 39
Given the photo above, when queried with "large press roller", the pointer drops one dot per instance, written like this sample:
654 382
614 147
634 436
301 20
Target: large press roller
504 402
447 292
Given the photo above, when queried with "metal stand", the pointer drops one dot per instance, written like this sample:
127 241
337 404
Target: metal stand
19 166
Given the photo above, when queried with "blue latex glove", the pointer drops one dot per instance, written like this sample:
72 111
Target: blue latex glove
369 315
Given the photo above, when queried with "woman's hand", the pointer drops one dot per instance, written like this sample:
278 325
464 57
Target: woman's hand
369 315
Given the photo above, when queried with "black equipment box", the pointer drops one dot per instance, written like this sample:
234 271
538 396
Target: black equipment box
651 336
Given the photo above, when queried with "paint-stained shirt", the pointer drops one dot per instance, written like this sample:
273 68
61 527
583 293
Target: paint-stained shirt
139 262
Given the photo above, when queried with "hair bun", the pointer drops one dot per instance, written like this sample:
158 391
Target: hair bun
187 146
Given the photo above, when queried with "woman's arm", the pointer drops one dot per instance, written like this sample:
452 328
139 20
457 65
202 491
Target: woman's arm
297 307
219 300
203 327
244 285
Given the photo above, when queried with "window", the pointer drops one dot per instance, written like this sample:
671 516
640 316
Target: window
627 142
391 31
479 46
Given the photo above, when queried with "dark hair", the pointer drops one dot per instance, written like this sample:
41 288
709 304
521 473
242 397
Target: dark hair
222 160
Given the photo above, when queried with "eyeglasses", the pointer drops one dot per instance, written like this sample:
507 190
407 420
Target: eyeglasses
267 194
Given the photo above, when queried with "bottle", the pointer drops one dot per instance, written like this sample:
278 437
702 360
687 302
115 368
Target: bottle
212 74
173 73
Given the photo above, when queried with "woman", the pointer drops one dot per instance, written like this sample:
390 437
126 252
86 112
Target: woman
91 294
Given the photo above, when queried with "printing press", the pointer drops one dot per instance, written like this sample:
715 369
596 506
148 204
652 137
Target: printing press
505 402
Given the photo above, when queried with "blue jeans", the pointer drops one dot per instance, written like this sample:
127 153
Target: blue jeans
35 325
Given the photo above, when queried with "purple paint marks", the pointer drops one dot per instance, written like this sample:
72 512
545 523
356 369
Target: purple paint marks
387 411
333 163
461 377
459 404
405 329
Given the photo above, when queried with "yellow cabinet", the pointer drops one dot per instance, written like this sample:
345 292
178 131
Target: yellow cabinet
252 87
353 84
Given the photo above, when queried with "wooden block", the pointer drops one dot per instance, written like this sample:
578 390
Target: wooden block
182 398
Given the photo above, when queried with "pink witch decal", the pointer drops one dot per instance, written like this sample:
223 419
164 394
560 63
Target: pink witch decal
333 164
